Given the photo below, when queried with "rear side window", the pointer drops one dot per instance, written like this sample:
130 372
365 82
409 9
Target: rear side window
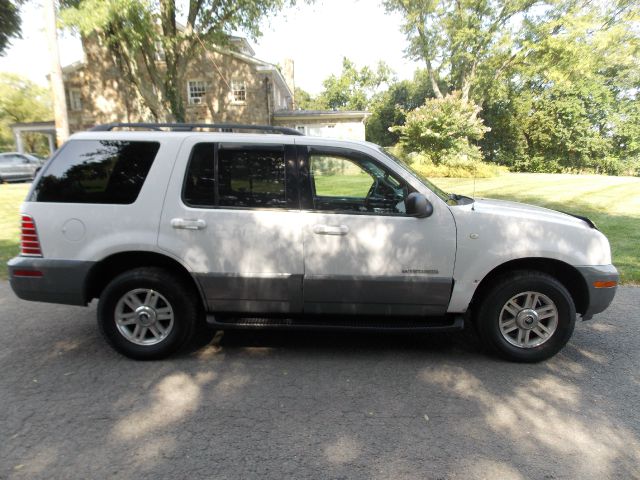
97 171
252 178
244 177
200 183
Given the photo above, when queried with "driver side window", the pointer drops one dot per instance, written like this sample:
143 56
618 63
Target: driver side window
345 184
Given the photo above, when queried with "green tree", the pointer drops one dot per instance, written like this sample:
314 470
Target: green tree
389 108
135 31
305 101
456 38
569 102
9 23
354 88
23 101
626 139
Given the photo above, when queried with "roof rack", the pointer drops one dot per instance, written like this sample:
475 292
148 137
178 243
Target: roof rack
188 127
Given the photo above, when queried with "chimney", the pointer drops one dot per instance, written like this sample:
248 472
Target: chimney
287 72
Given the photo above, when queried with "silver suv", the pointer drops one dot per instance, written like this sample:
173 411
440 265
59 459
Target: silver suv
179 231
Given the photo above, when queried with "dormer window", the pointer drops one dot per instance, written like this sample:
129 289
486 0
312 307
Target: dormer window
239 91
197 91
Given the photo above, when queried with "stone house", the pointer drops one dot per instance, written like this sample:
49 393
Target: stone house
226 85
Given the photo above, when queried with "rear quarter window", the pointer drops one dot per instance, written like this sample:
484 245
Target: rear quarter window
97 171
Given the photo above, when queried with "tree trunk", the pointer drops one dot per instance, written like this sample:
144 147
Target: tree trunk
467 81
427 59
173 94
434 81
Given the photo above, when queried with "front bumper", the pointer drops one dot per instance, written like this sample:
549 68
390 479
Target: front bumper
599 298
46 280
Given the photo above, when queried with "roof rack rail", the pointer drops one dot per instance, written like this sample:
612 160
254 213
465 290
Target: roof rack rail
188 127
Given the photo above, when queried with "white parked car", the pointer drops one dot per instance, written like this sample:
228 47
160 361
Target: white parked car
179 232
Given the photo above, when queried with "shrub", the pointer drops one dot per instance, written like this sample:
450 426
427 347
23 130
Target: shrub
443 130
450 167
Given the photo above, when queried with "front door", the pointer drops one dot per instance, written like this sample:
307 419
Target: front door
232 215
363 253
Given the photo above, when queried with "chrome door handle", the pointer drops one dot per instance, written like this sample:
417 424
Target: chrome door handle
188 224
330 229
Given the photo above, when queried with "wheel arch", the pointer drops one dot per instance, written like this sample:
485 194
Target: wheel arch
109 267
566 274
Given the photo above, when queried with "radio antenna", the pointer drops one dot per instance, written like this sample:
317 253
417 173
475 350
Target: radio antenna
473 196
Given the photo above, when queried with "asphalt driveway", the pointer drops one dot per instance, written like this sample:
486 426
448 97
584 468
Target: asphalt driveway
282 405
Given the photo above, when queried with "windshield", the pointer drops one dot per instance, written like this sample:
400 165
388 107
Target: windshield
435 189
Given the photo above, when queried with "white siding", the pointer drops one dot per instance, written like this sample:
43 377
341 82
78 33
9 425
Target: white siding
340 130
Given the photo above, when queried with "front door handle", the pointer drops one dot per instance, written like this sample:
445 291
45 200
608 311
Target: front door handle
188 224
330 229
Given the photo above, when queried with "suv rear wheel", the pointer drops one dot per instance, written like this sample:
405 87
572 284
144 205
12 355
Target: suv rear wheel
527 316
146 313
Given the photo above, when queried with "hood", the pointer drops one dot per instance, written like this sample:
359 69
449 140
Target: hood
523 210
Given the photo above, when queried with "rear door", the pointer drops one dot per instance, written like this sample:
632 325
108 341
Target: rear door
363 253
232 215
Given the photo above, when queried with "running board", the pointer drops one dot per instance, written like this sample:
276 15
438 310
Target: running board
441 324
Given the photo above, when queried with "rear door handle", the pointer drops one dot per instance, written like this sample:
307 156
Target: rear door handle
188 224
330 229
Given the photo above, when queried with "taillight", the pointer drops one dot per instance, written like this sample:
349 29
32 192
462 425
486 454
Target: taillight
29 242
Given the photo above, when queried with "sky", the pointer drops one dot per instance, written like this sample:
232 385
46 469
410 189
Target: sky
315 36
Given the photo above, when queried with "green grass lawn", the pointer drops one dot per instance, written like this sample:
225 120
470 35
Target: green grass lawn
613 203
11 196
343 185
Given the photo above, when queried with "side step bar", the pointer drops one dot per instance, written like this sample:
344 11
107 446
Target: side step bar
443 324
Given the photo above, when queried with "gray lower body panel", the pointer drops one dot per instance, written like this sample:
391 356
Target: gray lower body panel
61 281
348 295
397 295
256 293
599 298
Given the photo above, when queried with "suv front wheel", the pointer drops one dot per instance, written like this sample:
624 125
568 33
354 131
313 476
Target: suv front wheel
527 316
146 313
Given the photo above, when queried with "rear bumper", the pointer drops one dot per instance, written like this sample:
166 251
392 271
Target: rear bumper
599 298
46 280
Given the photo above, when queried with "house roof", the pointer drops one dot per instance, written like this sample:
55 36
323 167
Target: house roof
242 43
261 65
72 67
320 114
34 126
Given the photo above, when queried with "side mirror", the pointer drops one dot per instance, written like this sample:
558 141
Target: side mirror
418 206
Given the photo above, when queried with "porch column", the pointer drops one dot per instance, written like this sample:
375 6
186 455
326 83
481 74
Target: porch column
52 143
18 135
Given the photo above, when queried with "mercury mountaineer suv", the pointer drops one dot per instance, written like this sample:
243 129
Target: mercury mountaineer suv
179 230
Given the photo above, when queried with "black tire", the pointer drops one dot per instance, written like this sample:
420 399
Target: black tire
510 286
188 317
